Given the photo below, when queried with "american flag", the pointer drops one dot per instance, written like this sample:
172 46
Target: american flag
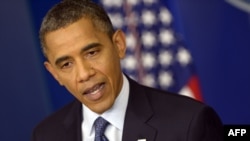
156 56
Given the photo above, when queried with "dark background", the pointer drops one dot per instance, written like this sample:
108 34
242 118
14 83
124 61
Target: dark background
217 34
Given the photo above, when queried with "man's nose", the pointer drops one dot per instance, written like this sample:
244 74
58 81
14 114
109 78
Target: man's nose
84 71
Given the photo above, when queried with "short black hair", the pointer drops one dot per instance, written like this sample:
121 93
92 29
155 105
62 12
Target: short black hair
67 12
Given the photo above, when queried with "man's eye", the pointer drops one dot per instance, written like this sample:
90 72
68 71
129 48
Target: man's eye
92 53
66 65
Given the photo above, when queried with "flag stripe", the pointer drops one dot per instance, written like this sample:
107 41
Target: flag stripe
194 86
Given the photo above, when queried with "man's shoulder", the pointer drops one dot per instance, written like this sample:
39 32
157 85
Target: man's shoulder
58 118
164 98
65 120
176 107
178 115
166 102
170 97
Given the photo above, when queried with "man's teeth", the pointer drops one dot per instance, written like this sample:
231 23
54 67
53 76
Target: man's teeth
95 89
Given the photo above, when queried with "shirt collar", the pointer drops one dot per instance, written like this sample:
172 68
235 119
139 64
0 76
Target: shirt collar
115 115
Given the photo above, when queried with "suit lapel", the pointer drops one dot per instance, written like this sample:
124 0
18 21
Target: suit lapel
138 115
72 123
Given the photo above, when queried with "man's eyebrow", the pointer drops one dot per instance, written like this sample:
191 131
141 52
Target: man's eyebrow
61 59
90 46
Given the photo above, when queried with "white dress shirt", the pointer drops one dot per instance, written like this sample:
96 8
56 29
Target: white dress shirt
115 116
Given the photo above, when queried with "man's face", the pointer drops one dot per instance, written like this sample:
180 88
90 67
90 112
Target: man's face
87 62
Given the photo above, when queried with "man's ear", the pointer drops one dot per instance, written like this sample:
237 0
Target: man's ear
119 39
52 71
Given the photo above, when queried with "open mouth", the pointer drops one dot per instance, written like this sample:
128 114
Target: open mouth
95 89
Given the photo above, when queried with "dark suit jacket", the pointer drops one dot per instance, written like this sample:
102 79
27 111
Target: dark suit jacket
151 114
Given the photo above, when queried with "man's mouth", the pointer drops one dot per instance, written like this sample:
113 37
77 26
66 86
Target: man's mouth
95 89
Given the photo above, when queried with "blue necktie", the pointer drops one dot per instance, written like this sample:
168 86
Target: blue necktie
100 126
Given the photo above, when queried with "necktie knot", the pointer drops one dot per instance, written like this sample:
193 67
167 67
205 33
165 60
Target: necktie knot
100 126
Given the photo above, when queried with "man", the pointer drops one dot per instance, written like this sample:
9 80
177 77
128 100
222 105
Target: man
83 54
